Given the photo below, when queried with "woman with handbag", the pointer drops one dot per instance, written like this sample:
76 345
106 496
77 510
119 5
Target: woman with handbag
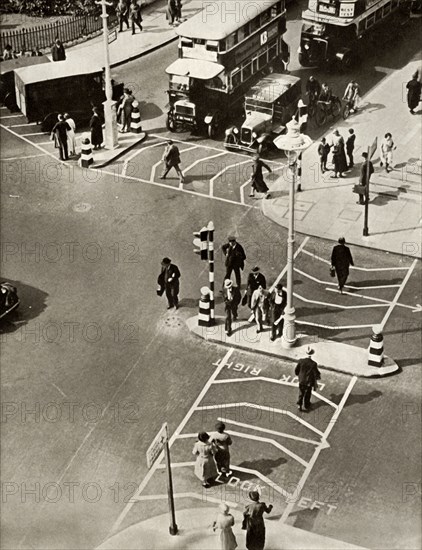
341 259
205 466
253 522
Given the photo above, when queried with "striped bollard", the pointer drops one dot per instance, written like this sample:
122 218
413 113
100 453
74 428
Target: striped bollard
135 119
299 172
376 348
211 270
204 307
86 158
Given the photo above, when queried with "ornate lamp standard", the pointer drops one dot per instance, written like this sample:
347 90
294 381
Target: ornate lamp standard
110 115
292 143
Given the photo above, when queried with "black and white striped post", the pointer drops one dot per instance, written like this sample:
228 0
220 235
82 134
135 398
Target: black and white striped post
211 270
299 172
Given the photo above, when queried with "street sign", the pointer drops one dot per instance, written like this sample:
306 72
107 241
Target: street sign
157 445
112 36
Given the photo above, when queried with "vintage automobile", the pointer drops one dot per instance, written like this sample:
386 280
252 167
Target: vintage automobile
43 91
269 105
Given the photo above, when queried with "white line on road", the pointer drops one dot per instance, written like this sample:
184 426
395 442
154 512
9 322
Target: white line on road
346 286
266 430
397 296
33 134
336 327
155 466
272 381
218 174
338 306
20 125
135 154
387 302
315 456
9 116
242 191
202 160
200 497
36 145
261 408
355 267
23 158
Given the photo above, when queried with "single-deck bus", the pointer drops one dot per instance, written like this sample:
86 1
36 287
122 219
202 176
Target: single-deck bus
223 51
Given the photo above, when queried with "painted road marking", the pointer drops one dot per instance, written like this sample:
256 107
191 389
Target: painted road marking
36 145
202 160
155 166
266 430
218 174
346 286
20 125
338 306
397 296
386 302
157 463
23 158
272 381
135 154
34 134
256 438
355 267
336 327
317 451
261 408
182 495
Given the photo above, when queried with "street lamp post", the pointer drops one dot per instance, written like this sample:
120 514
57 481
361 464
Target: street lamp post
110 115
293 143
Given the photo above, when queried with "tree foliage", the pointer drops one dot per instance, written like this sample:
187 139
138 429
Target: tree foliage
52 7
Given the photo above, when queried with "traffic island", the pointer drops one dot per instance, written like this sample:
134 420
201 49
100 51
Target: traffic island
329 355
127 141
196 532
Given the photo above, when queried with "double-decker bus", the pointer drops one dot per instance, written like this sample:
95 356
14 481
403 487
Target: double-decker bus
223 51
332 29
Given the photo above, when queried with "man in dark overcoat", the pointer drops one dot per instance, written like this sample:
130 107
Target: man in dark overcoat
341 260
57 51
366 171
59 132
168 282
235 258
171 159
414 90
255 279
277 302
308 374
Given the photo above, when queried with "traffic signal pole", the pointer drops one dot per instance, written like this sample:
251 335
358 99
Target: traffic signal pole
367 176
211 270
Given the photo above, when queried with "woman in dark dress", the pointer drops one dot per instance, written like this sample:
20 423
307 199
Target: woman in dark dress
339 155
96 126
257 179
253 522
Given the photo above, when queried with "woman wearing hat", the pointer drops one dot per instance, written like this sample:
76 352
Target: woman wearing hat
225 522
253 522
222 441
205 468
257 179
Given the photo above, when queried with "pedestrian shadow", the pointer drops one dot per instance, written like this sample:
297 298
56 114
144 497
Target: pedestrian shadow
32 304
189 303
149 110
367 108
356 398
375 282
263 465
409 362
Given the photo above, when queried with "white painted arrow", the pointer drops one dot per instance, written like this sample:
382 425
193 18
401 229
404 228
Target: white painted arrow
417 309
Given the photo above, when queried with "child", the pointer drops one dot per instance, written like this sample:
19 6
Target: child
323 150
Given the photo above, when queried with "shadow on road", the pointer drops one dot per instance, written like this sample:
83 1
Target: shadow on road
32 304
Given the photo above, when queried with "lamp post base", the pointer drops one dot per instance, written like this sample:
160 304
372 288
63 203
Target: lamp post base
289 330
111 139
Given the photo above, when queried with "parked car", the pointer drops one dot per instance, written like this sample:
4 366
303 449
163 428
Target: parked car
269 105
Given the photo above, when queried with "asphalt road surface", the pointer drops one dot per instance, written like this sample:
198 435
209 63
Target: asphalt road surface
93 363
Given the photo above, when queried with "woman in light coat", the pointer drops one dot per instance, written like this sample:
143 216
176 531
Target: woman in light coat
205 466
225 522
71 136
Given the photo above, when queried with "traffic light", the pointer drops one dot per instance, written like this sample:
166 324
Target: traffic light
201 241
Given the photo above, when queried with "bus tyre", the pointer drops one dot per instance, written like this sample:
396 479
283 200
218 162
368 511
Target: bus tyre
211 130
170 124
336 108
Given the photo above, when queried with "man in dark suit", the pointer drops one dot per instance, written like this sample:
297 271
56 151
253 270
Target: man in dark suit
341 259
235 258
59 132
231 297
171 159
277 302
57 51
366 171
307 372
255 279
168 281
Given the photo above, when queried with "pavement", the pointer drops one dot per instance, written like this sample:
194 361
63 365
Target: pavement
150 534
336 356
327 207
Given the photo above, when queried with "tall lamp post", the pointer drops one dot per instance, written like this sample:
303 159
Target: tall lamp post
293 143
110 115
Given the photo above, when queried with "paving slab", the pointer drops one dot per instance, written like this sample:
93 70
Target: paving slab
329 355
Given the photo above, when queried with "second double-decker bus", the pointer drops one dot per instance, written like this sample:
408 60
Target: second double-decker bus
332 30
223 51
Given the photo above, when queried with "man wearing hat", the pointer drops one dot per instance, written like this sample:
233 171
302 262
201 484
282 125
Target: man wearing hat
168 281
231 297
235 258
307 372
171 159
366 171
255 279
277 302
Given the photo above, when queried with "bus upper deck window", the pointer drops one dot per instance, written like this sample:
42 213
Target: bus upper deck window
212 46
200 41
255 24
265 17
186 43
